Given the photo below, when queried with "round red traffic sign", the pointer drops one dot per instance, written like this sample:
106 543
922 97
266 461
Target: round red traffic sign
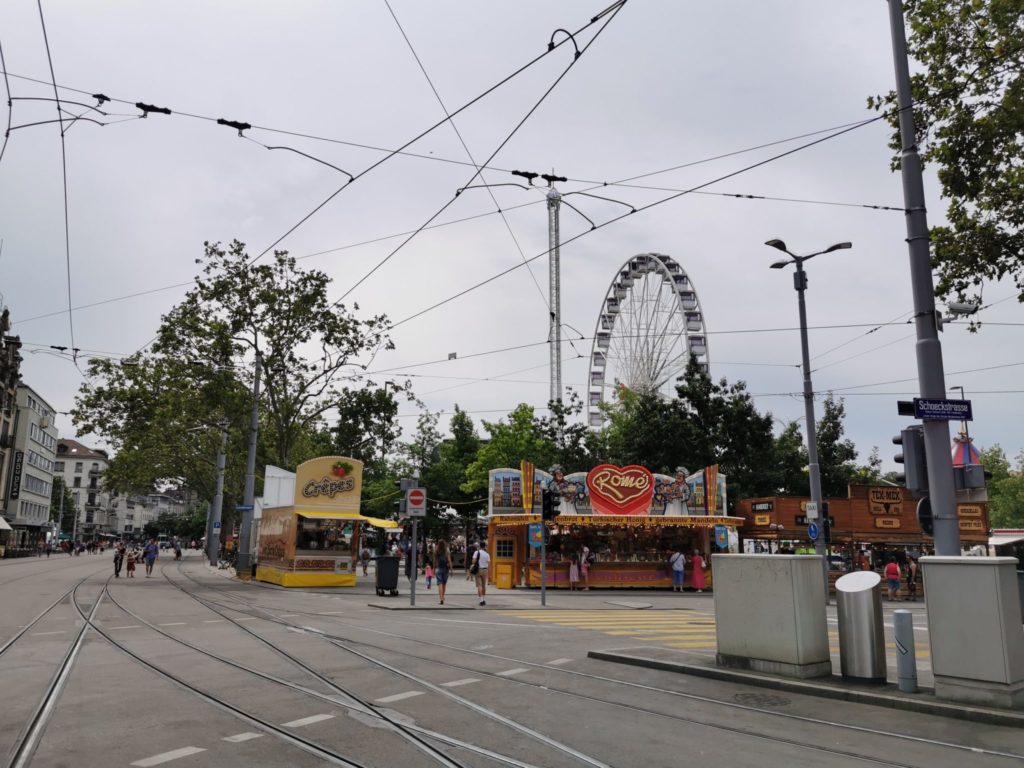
417 497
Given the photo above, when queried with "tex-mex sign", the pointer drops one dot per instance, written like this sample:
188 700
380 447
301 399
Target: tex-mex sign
329 483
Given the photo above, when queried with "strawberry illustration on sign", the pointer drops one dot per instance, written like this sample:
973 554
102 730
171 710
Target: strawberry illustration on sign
341 468
620 490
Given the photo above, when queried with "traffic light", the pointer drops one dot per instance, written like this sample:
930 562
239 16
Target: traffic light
924 516
913 459
549 505
826 523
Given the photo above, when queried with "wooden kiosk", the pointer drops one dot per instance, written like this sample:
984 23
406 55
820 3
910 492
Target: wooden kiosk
314 541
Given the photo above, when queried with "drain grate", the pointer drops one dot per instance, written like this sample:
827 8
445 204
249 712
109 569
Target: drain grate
763 700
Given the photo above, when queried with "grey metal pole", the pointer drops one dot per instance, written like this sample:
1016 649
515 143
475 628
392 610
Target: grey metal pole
249 495
906 652
800 283
544 567
415 561
930 374
216 508
555 293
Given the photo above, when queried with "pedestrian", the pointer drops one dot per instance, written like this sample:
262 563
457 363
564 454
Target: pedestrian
130 564
912 579
150 554
118 560
364 556
586 558
444 563
49 549
698 570
177 551
428 571
892 576
481 561
574 574
678 563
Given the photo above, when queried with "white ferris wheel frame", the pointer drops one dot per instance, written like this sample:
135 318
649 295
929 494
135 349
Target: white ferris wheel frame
693 330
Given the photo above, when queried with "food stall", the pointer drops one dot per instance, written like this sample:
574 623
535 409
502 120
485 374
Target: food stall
310 528
630 519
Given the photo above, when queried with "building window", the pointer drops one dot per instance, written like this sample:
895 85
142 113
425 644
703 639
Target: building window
92 500
78 467
77 482
504 549
58 466
95 466
34 484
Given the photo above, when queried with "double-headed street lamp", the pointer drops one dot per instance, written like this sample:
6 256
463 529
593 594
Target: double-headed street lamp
800 284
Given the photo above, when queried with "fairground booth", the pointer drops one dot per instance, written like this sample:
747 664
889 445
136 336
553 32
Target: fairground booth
628 518
311 524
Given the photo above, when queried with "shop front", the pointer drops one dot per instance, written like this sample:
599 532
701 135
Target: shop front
313 541
618 519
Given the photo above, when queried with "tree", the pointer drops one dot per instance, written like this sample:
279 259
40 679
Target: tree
517 439
367 424
836 455
791 462
63 514
870 473
969 113
444 477
1005 488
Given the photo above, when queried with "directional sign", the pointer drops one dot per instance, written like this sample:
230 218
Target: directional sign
812 531
243 507
811 510
942 410
416 502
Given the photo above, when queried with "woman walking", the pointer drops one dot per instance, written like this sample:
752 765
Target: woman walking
698 571
442 564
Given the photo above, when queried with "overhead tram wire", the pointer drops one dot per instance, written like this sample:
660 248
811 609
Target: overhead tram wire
469 154
10 104
638 210
551 46
64 169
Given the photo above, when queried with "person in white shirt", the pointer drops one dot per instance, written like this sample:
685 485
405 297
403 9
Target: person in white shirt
678 563
481 561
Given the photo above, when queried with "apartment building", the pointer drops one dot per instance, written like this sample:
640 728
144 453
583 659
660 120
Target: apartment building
30 472
82 469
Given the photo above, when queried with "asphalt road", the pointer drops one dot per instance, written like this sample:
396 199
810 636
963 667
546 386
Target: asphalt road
193 668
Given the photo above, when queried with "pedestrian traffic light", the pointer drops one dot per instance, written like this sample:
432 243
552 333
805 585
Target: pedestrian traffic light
549 505
913 459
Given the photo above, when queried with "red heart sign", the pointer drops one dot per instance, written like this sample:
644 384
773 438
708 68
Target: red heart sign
620 490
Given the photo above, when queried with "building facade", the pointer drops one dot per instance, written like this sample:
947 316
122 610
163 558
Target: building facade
10 367
82 469
30 473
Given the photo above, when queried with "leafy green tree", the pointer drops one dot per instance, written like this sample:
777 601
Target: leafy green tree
790 459
519 438
870 473
1005 488
444 478
836 455
367 424
65 512
969 112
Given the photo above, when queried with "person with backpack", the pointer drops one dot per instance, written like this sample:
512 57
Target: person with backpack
678 563
481 561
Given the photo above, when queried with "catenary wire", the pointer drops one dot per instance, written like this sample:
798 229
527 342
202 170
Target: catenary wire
10 104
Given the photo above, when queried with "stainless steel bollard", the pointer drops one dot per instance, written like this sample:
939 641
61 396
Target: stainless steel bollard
861 633
906 653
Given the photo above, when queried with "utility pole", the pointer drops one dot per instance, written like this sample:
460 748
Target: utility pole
930 373
555 289
244 564
213 523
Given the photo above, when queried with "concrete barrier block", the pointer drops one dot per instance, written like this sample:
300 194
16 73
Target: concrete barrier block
770 614
974 626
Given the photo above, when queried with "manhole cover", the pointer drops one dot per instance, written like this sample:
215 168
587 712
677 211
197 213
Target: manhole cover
764 700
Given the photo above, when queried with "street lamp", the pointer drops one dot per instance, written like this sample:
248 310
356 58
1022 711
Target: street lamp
800 284
963 422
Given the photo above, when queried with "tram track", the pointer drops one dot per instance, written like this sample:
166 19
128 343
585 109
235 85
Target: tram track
266 614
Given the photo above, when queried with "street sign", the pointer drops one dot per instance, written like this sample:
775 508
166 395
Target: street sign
812 531
811 510
942 410
243 507
216 525
416 502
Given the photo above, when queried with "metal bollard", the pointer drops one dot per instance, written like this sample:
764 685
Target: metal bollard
906 656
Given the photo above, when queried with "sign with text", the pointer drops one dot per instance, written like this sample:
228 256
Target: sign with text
19 457
885 501
620 490
968 510
887 522
804 520
811 509
942 410
763 506
971 525
329 483
762 519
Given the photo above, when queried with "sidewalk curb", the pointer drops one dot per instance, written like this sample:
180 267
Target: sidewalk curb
384 607
830 690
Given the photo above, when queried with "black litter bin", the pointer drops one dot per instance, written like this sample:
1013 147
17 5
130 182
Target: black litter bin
387 575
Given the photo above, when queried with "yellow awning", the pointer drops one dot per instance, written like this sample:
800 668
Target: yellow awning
327 514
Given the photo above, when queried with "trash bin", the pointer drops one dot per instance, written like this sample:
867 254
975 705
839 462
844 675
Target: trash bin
861 632
387 575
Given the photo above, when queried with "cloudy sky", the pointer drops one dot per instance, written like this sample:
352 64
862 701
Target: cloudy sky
664 84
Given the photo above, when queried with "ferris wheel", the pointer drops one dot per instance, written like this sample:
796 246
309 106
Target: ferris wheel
650 325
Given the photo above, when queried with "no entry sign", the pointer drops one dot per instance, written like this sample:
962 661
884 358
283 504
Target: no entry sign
416 502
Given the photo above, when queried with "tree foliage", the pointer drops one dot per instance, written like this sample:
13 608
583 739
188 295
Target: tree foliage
836 454
969 113
1005 488
62 512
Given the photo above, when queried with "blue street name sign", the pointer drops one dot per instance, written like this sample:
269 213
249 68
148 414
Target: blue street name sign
243 507
812 531
942 410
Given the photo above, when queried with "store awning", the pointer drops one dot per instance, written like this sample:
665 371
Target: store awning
998 541
4 525
355 517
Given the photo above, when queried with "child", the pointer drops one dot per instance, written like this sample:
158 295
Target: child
429 573
574 573
130 563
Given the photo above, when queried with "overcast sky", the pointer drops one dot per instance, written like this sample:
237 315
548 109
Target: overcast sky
664 84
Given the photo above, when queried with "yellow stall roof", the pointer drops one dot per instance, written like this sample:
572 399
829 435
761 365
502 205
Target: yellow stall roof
326 514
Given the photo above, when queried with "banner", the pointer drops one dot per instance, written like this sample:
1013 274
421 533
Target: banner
721 537
526 469
535 534
711 489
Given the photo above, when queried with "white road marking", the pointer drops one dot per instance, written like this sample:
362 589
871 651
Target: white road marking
287 615
463 681
166 757
174 624
510 672
399 697
307 721
212 621
494 623
238 738
129 626
557 662
55 632
248 618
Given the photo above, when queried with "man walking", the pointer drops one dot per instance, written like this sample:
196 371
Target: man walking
481 561
150 554
118 561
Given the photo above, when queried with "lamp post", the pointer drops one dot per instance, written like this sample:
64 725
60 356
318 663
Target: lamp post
800 284
963 422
